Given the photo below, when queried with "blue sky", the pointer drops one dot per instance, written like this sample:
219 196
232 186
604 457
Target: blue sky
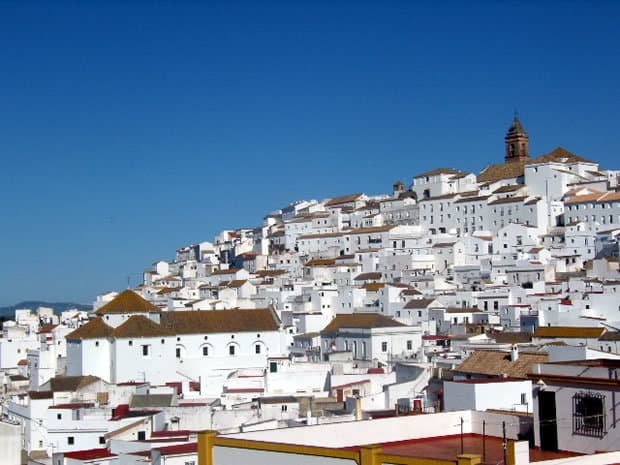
130 129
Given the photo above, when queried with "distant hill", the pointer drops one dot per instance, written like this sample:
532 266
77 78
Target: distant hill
58 307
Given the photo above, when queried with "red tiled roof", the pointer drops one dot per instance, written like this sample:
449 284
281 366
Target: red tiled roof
89 454
179 449
127 302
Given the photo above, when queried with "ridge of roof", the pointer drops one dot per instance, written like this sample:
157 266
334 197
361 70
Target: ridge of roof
94 329
220 321
360 320
559 155
140 326
127 302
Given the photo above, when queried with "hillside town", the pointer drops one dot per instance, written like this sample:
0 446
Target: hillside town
458 318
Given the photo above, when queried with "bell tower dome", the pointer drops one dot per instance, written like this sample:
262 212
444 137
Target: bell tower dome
517 142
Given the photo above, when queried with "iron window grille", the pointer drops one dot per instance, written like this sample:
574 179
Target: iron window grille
589 414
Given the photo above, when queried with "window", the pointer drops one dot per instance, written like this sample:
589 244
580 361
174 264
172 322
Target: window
130 343
284 408
178 352
257 348
273 367
384 346
231 350
70 440
101 440
205 350
409 345
59 416
589 414
145 350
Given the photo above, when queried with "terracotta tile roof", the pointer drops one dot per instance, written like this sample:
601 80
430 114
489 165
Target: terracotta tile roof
373 275
219 321
508 200
472 199
360 320
508 188
439 245
140 326
94 329
321 262
498 363
228 271
237 283
569 332
40 395
511 170
266 273
71 383
559 155
127 302
412 291
343 199
584 198
373 287
507 337
439 171
418 303
167 290
611 197
610 336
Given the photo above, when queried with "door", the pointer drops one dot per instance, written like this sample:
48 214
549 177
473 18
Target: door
548 426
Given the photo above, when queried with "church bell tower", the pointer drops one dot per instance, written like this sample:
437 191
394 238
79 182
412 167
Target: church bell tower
517 142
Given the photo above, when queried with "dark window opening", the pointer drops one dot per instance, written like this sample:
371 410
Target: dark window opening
589 414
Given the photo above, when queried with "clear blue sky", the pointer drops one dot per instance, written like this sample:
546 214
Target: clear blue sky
128 130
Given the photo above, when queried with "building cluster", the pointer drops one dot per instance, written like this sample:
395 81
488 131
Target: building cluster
464 318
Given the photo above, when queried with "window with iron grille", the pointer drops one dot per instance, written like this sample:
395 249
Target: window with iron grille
589 414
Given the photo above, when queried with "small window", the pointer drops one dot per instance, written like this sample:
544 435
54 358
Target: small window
273 367
409 345
101 440
178 352
384 346
257 348
130 343
205 351
145 350
231 350
589 414
70 440
96 343
59 416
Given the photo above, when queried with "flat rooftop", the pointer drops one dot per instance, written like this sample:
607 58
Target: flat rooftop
448 447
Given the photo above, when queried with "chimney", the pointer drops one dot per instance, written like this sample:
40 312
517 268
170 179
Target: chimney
358 408
514 353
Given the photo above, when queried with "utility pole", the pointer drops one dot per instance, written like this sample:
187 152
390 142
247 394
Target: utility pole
504 440
484 441
462 445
